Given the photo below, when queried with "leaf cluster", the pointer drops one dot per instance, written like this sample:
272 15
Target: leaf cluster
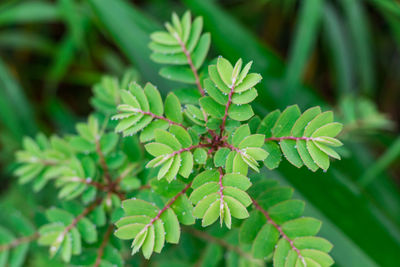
198 159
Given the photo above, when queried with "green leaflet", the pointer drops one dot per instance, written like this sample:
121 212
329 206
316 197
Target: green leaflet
140 107
304 139
212 203
147 234
182 44
276 229
246 150
196 162
172 153
60 238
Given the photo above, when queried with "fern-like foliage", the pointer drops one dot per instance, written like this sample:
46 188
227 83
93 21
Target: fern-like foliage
276 229
193 163
304 139
183 46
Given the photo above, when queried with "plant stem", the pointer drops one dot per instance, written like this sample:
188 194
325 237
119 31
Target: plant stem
167 206
228 104
190 62
277 227
154 116
209 238
103 162
289 138
103 245
85 212
20 241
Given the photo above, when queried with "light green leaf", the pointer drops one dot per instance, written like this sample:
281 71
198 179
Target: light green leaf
264 243
214 75
240 112
154 98
166 138
319 157
163 38
225 70
220 157
212 214
238 210
305 155
211 107
173 108
289 149
182 135
187 164
319 121
303 120
244 97
171 225
148 244
285 122
254 140
200 52
200 155
330 130
301 227
178 73
248 82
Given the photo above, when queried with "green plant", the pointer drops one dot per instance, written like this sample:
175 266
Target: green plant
196 167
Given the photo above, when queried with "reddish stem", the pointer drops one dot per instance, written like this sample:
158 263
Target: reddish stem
103 161
231 147
85 212
19 241
154 116
289 138
167 206
221 191
228 104
103 245
277 227
190 62
180 151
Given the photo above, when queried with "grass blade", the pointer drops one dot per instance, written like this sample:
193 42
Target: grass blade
336 40
302 45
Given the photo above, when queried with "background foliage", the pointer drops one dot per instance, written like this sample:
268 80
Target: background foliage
342 54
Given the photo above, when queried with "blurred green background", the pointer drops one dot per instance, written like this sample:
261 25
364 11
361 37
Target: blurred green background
341 54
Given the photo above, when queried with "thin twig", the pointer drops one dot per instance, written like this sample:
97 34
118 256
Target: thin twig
154 116
190 62
221 193
277 227
19 241
291 138
180 151
75 221
209 238
103 161
228 104
167 206
103 245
